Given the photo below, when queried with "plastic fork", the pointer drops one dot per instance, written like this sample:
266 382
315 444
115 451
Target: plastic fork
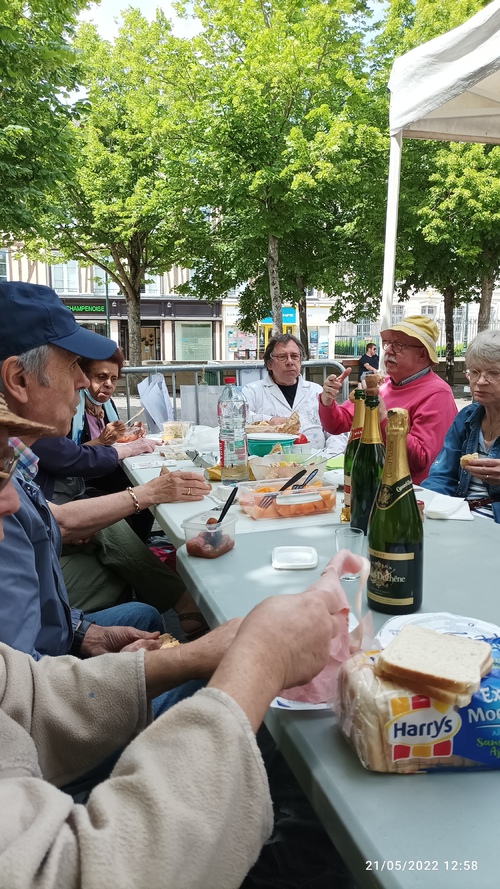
306 481
268 499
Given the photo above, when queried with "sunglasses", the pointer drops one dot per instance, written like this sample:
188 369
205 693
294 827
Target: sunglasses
8 463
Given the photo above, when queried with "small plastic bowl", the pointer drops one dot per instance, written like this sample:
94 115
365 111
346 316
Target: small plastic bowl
260 443
209 541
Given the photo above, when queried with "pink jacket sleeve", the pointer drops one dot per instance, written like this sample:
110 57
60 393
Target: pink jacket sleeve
337 418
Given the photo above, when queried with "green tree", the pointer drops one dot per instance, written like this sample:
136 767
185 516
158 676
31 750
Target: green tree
115 209
37 72
272 132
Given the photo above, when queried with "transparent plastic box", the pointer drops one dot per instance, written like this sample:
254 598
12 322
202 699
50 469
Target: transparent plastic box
316 498
175 430
209 541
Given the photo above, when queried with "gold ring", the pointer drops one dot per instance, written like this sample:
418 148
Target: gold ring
189 490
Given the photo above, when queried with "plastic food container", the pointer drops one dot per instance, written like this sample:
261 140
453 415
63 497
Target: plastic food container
260 443
209 541
132 434
285 465
314 499
175 430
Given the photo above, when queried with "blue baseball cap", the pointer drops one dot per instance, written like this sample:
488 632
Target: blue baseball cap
33 315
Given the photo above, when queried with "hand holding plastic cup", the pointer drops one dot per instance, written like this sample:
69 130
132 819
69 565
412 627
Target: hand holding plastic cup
352 539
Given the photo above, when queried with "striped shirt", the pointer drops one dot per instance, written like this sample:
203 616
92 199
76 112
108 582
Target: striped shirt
477 489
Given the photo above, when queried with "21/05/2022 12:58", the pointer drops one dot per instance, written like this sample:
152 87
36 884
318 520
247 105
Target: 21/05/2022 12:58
421 865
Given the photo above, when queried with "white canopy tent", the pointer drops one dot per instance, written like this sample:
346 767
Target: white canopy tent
449 89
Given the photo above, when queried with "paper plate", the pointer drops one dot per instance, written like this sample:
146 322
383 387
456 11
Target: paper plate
442 622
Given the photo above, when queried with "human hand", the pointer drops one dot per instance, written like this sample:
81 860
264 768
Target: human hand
173 487
284 641
135 447
112 432
486 471
277 421
382 410
332 387
105 640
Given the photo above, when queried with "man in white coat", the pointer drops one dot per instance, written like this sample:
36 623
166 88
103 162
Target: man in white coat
283 390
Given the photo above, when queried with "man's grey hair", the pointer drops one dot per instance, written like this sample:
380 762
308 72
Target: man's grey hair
33 362
484 349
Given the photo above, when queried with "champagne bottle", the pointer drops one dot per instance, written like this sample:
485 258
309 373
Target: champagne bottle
350 451
368 462
395 532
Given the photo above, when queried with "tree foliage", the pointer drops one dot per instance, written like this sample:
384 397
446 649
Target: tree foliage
115 209
37 71
275 144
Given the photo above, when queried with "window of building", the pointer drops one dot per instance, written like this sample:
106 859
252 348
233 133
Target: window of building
97 327
364 327
100 284
430 311
397 314
65 277
152 288
3 265
193 341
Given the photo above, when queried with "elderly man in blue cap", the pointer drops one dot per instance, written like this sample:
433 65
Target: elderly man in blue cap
40 377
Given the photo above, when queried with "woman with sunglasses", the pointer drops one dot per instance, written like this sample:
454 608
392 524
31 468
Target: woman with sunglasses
475 430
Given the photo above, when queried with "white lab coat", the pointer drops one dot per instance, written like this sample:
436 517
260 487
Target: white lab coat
266 400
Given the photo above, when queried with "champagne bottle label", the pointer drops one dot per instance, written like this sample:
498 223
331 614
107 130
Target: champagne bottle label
388 495
395 577
356 433
347 490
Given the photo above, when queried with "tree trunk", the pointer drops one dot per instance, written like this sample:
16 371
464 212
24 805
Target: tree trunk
274 284
134 336
302 307
449 303
483 319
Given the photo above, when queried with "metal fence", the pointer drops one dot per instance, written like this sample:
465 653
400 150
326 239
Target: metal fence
216 374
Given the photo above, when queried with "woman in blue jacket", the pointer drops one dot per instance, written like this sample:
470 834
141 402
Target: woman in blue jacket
475 431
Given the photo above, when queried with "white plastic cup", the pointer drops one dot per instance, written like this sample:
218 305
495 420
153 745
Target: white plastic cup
352 539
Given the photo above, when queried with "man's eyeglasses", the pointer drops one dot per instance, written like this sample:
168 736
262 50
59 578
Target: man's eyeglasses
282 358
8 463
491 376
398 347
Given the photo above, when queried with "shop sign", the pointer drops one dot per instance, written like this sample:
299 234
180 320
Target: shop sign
288 316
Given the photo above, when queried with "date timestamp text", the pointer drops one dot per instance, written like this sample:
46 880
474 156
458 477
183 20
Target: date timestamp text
420 865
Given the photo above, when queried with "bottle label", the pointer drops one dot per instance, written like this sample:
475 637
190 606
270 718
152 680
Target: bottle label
388 495
395 577
347 490
355 433
233 452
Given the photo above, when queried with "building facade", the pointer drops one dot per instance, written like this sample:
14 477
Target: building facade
180 329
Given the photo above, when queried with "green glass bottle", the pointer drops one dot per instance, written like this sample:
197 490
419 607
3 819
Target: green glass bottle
350 451
395 531
367 465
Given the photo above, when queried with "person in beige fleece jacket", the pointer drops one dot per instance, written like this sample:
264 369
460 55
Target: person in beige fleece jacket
187 804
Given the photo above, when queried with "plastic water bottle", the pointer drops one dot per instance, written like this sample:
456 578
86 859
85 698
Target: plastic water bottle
232 409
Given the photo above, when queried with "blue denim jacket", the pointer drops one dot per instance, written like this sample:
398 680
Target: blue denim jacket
35 615
446 475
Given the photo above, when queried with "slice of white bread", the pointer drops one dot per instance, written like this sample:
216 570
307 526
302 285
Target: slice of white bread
466 458
451 698
451 663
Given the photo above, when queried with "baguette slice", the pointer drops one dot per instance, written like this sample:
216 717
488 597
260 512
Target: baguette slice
168 641
451 663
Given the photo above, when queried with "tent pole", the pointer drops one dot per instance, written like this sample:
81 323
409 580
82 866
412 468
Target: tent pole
391 228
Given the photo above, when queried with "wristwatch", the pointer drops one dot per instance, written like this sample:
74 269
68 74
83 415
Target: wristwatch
78 636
